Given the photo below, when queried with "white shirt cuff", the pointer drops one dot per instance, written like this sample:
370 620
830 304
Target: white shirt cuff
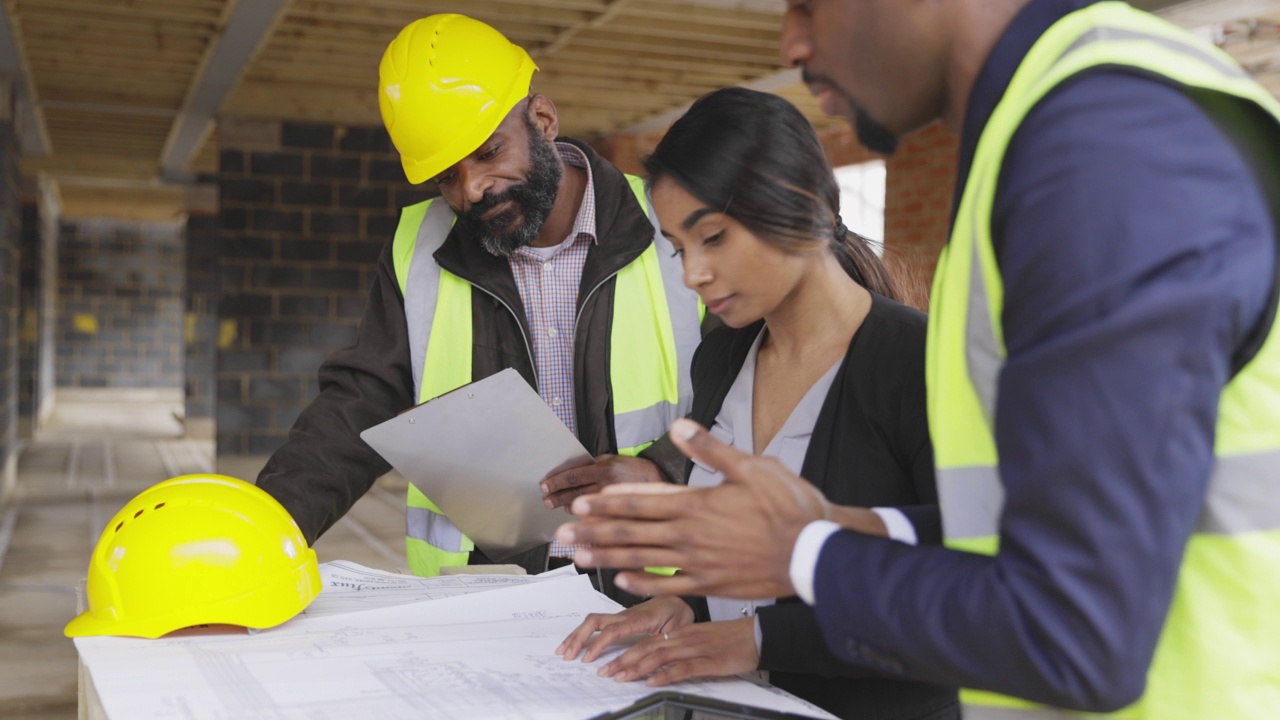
759 636
900 528
804 556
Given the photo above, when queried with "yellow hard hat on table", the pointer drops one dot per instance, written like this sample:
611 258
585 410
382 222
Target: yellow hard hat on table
444 85
196 550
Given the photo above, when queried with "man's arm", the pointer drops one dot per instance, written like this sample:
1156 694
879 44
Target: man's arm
324 467
1137 253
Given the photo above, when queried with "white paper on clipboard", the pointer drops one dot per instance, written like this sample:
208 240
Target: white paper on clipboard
479 453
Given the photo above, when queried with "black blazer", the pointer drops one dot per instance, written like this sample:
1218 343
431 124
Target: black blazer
870 447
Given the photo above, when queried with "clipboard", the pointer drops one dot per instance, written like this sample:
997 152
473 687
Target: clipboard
479 453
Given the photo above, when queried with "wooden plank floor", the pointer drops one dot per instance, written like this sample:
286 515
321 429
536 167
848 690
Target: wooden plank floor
98 451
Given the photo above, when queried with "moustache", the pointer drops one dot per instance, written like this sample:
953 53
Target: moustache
812 78
487 203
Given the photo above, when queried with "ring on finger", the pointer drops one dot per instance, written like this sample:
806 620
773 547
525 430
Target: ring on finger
665 636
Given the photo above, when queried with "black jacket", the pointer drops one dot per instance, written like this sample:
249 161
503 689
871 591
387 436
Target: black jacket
870 447
324 467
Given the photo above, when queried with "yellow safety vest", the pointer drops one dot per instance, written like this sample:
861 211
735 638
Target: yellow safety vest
1218 655
655 329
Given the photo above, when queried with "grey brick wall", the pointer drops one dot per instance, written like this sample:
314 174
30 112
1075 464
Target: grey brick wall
120 304
10 272
305 210
28 311
201 324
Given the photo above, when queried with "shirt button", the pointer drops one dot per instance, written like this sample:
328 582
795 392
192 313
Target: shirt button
552 333
546 265
555 401
746 611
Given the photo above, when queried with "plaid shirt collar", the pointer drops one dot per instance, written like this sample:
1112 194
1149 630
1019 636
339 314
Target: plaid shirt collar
585 223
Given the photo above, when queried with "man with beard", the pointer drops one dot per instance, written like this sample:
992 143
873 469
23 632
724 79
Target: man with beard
1103 377
539 255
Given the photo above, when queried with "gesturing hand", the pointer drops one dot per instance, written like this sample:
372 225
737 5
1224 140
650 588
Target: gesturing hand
734 540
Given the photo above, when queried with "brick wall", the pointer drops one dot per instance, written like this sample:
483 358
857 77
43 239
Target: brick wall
10 271
120 304
305 209
919 187
200 332
28 312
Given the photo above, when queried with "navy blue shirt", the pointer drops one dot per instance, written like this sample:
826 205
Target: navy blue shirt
1137 252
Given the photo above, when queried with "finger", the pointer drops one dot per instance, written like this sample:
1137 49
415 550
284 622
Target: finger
623 665
693 440
564 498
573 643
653 502
645 489
626 558
575 477
617 533
638 582
657 653
611 634
678 671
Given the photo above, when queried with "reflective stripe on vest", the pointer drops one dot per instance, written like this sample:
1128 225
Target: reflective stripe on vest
654 331
1219 651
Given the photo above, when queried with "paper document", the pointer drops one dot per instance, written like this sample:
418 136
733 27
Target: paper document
479 453
487 655
351 587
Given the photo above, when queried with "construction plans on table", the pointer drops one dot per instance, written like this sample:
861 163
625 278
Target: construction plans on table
485 655
351 587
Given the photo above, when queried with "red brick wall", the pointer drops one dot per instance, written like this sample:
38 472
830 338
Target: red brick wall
920 185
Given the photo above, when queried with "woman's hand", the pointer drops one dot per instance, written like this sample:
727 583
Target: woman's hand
652 617
711 649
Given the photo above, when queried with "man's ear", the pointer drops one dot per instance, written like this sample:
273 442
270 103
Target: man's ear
542 113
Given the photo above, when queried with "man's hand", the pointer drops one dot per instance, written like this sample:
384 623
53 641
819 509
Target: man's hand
560 489
734 540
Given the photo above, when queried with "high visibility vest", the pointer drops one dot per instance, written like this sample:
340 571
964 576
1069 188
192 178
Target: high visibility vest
655 329
1218 655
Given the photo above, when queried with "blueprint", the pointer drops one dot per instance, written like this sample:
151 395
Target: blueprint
486 655
351 587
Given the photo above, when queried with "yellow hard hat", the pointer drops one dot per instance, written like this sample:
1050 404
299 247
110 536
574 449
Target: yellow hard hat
444 84
194 550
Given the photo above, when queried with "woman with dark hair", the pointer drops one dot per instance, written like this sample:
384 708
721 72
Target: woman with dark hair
819 366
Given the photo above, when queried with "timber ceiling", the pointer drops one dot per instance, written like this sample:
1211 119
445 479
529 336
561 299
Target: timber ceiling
123 95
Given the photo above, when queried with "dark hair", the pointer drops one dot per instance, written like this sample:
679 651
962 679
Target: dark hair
754 156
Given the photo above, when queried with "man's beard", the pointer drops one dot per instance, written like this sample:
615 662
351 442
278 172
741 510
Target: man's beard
532 200
873 136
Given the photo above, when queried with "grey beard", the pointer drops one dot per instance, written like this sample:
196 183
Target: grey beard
533 199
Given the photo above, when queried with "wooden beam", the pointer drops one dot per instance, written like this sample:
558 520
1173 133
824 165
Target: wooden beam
245 31
766 83
1198 13
697 31
34 135
91 166
181 12
610 11
722 17
127 202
